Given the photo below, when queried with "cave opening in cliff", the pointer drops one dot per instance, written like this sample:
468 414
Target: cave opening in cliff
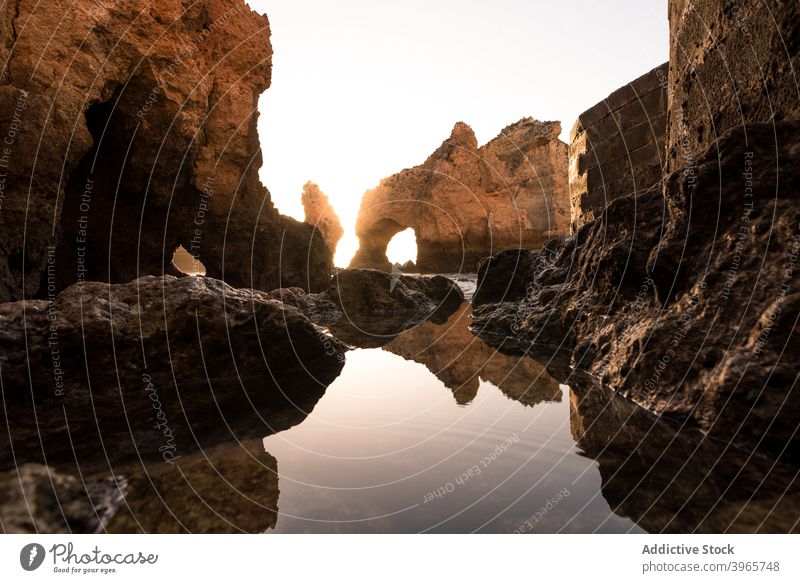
402 248
85 220
186 263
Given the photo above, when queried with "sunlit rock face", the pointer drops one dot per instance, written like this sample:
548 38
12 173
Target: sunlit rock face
617 147
467 202
320 214
133 130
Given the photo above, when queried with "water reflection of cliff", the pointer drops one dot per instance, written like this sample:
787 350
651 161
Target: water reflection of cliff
668 480
461 360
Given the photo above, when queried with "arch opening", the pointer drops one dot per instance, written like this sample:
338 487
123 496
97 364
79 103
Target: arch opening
186 263
402 249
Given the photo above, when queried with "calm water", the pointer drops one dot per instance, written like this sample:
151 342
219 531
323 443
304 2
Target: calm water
435 431
389 449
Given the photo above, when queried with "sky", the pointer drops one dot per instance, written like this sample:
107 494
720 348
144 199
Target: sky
362 89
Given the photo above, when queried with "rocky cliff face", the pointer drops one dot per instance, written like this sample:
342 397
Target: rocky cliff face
684 298
617 147
129 128
161 366
321 215
466 202
731 64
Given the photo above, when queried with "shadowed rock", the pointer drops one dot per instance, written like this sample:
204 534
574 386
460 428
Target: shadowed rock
674 480
160 366
134 132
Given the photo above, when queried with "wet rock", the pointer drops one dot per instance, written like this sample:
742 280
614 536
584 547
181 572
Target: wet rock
466 202
367 307
38 499
160 366
134 131
672 479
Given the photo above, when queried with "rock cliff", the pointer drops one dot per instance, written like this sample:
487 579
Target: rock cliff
684 297
466 202
320 214
129 128
617 146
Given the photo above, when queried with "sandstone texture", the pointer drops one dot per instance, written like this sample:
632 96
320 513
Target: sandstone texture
684 297
321 215
467 202
731 64
617 147
692 315
129 128
161 366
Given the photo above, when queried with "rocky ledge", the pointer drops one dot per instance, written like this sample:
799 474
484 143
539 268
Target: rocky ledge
368 308
682 299
159 366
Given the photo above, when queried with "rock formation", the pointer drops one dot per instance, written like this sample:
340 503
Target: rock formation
321 215
669 479
465 202
160 366
368 308
129 128
692 316
461 360
731 64
617 147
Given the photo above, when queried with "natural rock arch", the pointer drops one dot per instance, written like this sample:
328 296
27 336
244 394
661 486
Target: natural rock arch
467 202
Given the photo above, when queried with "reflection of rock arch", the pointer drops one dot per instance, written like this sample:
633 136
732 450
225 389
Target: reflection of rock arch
465 202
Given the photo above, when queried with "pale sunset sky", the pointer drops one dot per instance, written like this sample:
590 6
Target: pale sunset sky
364 88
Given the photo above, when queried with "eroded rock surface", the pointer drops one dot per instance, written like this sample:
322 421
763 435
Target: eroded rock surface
467 202
320 214
133 130
731 64
617 147
368 307
161 366
683 301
